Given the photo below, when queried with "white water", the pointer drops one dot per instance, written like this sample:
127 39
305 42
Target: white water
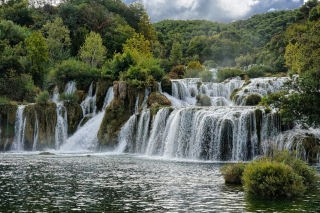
70 87
35 133
108 98
259 86
186 91
55 96
197 133
89 104
85 138
61 131
19 130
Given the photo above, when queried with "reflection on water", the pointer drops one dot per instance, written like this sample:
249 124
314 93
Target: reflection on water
64 183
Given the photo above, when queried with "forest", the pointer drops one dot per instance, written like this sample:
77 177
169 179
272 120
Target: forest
43 44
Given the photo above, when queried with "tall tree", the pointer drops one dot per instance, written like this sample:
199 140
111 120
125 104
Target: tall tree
38 53
176 53
58 40
93 52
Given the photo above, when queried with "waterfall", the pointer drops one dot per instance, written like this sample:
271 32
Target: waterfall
85 138
70 87
55 96
61 131
198 133
108 98
89 104
142 131
186 91
19 130
259 86
126 135
35 133
136 107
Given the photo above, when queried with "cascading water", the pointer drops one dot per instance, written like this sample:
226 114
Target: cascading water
187 90
89 104
198 133
70 87
85 138
61 131
260 87
19 130
35 133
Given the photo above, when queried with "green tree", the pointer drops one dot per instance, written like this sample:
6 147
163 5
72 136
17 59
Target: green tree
38 54
93 52
145 27
176 53
301 99
58 39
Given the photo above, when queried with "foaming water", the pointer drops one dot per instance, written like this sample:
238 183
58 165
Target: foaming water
126 183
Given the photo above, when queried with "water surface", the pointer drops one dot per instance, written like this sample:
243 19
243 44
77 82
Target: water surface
126 183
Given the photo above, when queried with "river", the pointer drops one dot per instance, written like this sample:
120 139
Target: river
103 182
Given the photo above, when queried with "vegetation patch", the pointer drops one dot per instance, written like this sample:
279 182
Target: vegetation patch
278 175
253 100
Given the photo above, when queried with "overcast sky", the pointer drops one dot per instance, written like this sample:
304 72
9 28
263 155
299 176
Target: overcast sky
214 10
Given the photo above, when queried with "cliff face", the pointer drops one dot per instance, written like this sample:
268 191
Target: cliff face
7 122
46 116
118 112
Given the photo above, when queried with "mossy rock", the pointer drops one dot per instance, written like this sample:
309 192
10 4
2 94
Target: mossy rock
311 145
7 123
156 98
118 112
166 85
234 92
46 153
47 118
253 100
81 94
203 100
74 115
103 85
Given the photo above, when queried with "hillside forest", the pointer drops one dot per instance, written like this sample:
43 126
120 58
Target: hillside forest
43 44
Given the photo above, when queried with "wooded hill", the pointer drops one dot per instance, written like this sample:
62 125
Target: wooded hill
43 44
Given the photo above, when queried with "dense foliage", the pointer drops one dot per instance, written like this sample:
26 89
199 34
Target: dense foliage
278 175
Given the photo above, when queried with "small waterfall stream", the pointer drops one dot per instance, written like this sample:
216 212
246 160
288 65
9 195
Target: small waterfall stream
35 133
19 129
85 138
89 104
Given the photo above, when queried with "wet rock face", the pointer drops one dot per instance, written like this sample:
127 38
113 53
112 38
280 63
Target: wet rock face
118 112
7 122
47 118
103 86
74 114
122 89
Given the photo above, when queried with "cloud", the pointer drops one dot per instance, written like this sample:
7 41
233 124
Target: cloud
214 10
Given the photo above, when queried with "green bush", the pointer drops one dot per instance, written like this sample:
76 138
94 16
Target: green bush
206 76
210 64
4 100
232 173
70 70
259 71
224 74
253 100
70 98
308 174
42 97
272 179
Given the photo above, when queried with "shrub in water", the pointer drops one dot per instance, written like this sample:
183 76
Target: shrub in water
272 179
232 173
308 174
253 100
